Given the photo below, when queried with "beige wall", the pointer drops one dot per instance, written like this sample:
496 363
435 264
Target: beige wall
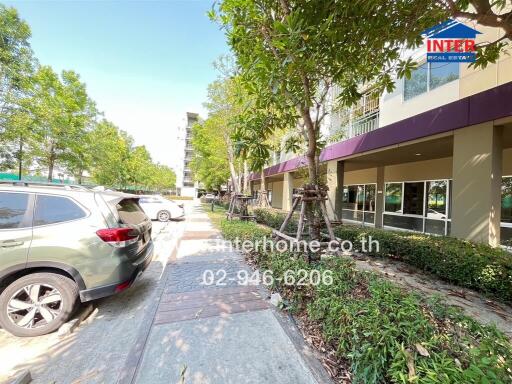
393 108
297 183
363 176
477 170
477 80
420 170
277 194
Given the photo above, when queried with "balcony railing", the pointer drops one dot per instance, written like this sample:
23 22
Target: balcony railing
361 118
363 125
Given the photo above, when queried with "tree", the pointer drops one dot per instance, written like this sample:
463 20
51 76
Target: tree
210 164
110 149
16 69
214 136
63 114
291 53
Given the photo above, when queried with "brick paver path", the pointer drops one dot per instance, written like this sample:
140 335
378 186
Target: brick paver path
214 334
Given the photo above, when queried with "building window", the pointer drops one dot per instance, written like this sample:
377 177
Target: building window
436 199
442 73
413 198
417 84
506 200
506 211
359 203
369 198
429 76
393 202
418 206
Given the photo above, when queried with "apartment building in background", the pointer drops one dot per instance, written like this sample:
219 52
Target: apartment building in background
186 184
433 156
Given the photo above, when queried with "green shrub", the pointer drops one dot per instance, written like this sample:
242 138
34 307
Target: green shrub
467 264
274 218
377 326
243 230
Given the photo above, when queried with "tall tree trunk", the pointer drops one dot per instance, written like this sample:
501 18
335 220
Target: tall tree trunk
263 200
246 178
51 163
232 170
20 158
312 208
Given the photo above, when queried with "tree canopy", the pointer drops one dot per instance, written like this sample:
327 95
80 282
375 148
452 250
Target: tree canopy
48 120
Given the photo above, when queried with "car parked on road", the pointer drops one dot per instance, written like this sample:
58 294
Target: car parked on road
209 197
159 208
61 245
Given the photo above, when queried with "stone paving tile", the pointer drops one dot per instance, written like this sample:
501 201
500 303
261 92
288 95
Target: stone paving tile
242 348
211 327
185 276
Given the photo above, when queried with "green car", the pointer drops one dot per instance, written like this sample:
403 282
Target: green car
61 245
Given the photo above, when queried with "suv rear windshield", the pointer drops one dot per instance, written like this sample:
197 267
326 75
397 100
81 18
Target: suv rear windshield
130 212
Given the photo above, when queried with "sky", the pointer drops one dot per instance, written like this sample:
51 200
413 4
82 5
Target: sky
145 63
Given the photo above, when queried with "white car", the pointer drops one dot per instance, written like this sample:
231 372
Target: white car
159 208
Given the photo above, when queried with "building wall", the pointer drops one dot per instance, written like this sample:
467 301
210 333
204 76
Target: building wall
393 108
363 176
277 194
297 183
420 170
471 81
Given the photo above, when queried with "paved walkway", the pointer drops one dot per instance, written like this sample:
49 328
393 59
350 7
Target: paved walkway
210 334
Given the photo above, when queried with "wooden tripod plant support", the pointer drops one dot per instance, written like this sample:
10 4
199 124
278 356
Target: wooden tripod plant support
238 207
308 194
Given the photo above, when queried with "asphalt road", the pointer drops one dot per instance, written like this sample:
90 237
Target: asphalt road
96 351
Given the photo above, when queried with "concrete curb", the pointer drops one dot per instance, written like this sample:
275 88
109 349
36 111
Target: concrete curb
68 327
130 368
23 378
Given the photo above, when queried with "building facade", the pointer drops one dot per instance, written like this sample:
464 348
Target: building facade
433 156
188 187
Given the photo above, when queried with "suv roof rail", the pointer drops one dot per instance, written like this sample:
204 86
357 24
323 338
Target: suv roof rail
25 183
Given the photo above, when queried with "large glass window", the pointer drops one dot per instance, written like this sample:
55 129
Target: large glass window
429 76
413 198
350 197
14 210
393 201
442 73
436 199
56 209
417 84
359 203
369 198
506 200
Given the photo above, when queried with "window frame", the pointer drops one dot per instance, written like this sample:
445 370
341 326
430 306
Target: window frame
30 210
364 211
425 210
503 223
429 89
37 194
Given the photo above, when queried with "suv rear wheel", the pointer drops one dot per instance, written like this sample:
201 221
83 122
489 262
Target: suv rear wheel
37 304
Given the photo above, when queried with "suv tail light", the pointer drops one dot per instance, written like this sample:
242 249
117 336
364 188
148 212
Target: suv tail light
118 237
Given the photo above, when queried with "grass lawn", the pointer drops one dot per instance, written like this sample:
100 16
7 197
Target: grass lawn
218 214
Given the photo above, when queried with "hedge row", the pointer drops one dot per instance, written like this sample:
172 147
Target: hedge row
274 218
384 332
466 264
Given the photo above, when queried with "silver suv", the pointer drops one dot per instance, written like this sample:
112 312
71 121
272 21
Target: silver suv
63 244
